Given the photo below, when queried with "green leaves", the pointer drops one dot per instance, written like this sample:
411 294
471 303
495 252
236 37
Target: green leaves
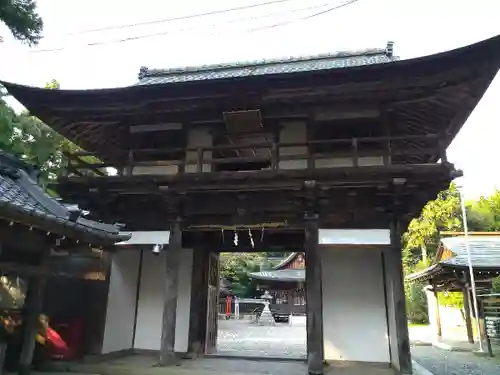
451 299
444 214
33 141
416 303
22 19
235 268
495 285
423 232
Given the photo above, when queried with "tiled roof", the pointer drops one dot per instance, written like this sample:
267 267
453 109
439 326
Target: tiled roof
298 275
22 200
485 251
485 254
264 67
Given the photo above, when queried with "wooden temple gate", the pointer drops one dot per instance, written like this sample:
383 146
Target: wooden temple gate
273 153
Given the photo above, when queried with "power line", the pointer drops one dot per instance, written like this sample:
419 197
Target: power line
145 36
179 18
305 17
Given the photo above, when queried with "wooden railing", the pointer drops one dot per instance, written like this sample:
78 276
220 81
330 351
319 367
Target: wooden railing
490 309
193 159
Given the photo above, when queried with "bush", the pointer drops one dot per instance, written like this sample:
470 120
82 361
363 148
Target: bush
495 285
416 303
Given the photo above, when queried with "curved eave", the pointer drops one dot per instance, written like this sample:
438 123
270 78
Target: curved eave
53 224
286 261
437 91
425 274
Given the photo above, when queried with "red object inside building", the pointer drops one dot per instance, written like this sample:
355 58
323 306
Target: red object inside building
66 344
228 307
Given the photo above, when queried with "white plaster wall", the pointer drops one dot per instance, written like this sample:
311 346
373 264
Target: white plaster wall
198 137
120 313
293 132
363 161
354 313
354 237
146 238
155 170
391 320
150 306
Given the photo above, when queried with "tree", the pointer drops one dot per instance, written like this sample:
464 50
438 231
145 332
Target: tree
484 214
22 19
35 142
422 237
235 267
416 303
495 285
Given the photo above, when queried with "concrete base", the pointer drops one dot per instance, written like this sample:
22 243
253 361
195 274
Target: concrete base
144 365
420 343
453 348
418 369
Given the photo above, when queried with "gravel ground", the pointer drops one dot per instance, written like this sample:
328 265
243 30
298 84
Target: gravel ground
441 362
241 338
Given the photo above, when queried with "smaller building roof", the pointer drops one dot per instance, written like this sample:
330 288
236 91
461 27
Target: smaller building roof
23 201
452 253
297 275
485 251
326 61
286 261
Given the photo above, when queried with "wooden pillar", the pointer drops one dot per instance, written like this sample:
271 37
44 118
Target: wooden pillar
33 308
167 352
439 329
199 295
314 297
394 268
468 319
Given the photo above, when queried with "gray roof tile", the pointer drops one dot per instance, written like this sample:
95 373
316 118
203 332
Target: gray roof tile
485 251
22 199
298 275
264 67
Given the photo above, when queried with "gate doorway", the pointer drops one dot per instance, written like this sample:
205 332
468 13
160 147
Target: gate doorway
261 308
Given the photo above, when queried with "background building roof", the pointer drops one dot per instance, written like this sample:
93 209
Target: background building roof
485 251
297 275
452 253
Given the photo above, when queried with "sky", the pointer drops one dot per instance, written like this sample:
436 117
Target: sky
83 60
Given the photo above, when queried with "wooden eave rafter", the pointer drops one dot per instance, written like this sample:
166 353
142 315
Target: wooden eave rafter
429 94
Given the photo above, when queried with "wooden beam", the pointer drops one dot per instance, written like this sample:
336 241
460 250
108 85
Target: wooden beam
20 237
199 295
438 315
468 319
172 253
23 269
32 309
394 269
314 297
341 176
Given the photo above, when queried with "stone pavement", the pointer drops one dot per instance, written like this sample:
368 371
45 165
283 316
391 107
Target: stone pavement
440 362
245 339
145 365
426 335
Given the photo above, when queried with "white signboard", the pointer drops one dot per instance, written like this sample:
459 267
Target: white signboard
354 237
147 238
